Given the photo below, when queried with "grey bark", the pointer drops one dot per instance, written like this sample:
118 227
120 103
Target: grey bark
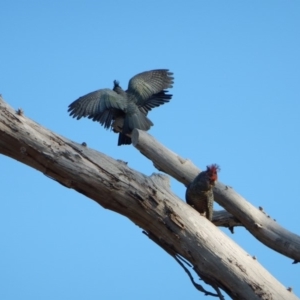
146 201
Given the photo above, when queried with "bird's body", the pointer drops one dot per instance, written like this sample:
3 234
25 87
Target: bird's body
126 110
199 193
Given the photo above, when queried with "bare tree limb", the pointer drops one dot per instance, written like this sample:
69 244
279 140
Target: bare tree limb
146 201
223 218
255 220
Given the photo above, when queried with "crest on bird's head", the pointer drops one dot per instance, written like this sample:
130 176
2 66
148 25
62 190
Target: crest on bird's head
118 89
116 83
212 172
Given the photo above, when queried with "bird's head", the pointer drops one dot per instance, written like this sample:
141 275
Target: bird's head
118 89
116 83
212 172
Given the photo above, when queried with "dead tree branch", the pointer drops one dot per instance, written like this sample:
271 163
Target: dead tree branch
254 220
146 201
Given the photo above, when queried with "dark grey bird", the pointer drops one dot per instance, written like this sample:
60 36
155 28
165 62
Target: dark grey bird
125 110
199 193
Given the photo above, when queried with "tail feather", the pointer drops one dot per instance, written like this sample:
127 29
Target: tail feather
124 139
137 120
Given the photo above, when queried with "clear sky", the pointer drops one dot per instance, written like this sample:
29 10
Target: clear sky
235 103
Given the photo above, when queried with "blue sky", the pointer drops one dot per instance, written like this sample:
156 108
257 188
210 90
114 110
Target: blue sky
235 102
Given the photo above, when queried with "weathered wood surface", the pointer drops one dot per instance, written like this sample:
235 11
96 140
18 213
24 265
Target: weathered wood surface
264 228
146 201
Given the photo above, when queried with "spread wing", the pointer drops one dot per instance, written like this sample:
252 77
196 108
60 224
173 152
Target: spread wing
154 101
101 105
144 85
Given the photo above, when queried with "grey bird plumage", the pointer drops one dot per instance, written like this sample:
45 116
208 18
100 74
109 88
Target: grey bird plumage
199 193
125 110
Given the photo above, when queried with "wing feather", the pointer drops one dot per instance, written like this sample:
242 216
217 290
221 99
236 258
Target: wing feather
155 101
149 83
101 106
